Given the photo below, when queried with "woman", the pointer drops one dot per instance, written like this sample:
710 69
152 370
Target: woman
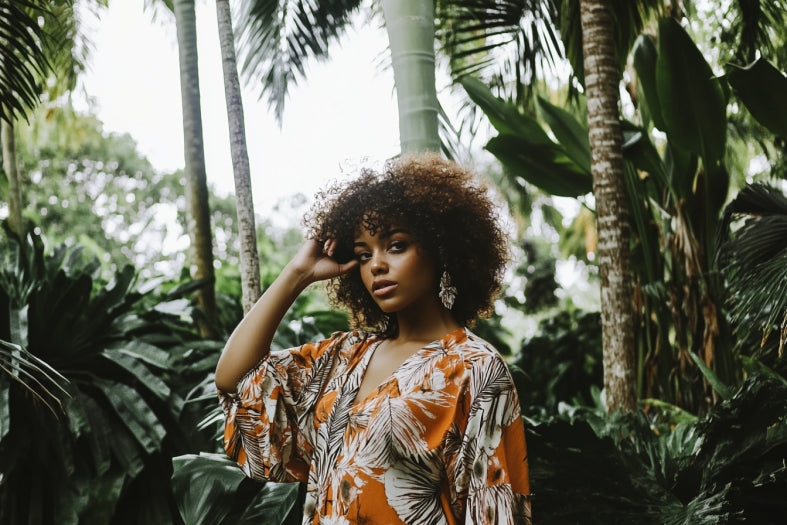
409 418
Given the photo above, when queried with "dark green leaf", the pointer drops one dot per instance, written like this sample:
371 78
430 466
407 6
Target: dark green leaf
570 133
645 55
205 486
545 167
763 90
692 101
724 391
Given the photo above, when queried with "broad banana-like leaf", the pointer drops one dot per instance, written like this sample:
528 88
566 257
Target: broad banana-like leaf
504 115
645 53
692 100
569 132
763 90
543 166
525 149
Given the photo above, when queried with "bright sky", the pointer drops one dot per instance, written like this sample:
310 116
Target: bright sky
342 117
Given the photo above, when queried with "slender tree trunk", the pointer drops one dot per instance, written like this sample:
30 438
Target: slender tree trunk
198 209
410 26
617 320
249 259
15 220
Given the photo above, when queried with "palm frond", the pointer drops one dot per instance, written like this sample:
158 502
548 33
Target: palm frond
277 38
34 375
23 60
515 39
754 257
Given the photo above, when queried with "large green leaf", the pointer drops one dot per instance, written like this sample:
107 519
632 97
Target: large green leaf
693 105
569 132
543 166
525 149
274 504
504 115
205 486
135 414
763 90
644 56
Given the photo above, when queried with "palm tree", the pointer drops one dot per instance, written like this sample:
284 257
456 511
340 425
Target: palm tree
277 38
198 209
249 259
606 146
32 55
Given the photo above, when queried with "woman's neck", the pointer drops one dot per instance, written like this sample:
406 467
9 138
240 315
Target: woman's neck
425 326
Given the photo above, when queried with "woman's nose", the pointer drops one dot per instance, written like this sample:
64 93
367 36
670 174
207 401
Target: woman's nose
379 264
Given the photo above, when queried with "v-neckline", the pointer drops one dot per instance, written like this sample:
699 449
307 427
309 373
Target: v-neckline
364 365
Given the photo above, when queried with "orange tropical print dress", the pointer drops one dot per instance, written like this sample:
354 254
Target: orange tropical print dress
440 441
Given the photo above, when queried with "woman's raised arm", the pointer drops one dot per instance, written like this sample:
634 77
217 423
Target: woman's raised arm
251 340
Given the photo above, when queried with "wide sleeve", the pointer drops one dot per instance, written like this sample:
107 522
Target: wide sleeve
489 465
267 428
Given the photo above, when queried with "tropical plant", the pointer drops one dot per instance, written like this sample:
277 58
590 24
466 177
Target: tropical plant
40 53
669 467
753 260
675 208
91 403
561 364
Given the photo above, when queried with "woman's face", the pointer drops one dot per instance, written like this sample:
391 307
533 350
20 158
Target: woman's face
398 274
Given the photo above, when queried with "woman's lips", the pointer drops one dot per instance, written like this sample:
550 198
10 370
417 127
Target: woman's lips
383 288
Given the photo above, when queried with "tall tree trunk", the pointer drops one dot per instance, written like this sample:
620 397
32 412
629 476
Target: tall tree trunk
15 220
617 320
249 259
198 209
410 26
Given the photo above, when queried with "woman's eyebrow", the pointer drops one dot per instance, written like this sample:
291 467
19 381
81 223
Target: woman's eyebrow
383 235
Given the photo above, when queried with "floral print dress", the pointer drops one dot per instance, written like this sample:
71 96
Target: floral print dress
440 441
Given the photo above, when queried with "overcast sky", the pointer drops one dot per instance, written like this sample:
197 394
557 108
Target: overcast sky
343 115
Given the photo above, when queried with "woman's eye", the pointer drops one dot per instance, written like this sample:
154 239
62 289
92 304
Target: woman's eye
362 256
398 246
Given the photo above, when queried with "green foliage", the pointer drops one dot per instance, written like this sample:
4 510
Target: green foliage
761 88
629 469
562 363
753 259
525 150
213 490
90 394
676 191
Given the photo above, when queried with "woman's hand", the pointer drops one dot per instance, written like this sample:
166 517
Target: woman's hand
314 261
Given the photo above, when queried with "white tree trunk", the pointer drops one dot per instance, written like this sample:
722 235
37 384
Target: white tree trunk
249 258
410 26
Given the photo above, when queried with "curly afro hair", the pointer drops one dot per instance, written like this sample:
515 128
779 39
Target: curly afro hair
438 202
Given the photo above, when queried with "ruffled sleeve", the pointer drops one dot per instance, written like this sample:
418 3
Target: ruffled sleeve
489 467
268 429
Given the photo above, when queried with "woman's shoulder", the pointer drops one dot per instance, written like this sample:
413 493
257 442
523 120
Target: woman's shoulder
471 347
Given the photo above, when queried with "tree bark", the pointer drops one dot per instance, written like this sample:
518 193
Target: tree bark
198 208
617 320
249 258
410 27
15 220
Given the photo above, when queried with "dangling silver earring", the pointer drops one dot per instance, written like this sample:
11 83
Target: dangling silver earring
447 291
